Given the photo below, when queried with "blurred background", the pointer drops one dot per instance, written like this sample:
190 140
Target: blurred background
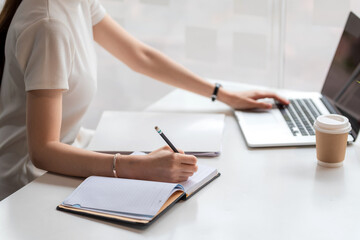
276 43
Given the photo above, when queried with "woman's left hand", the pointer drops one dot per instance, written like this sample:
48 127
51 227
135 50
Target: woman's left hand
248 99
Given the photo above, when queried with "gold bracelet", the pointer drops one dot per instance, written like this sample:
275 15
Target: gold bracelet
114 165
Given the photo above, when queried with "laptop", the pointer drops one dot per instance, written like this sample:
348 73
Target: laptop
293 125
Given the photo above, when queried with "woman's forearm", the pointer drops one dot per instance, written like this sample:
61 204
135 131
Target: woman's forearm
148 61
158 66
69 160
160 165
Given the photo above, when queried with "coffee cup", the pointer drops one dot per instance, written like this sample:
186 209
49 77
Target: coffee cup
332 132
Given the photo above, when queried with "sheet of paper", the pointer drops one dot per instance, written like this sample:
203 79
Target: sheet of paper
138 153
140 199
197 133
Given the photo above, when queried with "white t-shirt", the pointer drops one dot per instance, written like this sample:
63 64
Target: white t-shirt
49 45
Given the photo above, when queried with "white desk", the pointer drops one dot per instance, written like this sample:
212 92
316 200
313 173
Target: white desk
272 193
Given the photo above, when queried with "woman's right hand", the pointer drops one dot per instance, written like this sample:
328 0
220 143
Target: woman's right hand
164 165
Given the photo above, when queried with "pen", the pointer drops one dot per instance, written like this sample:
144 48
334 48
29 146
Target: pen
166 139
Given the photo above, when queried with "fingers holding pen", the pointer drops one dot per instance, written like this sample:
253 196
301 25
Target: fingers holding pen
165 165
188 166
181 151
188 162
186 159
182 166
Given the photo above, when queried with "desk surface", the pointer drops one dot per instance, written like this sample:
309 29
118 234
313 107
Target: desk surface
269 193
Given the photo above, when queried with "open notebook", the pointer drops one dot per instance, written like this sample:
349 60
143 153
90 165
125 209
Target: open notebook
199 134
132 201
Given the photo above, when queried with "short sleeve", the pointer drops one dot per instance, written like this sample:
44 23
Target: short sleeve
97 11
45 53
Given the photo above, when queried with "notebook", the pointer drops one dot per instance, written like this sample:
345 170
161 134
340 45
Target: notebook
198 134
132 201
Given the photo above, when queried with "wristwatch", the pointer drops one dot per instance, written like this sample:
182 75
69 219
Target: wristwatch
216 90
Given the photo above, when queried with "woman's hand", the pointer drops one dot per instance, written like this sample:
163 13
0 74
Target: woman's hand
165 165
161 165
248 99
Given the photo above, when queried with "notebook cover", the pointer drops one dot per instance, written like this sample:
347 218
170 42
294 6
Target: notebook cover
124 220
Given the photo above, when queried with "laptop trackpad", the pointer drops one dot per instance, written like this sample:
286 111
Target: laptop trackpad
268 122
259 117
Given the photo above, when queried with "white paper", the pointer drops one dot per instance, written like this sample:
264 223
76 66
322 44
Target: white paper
195 133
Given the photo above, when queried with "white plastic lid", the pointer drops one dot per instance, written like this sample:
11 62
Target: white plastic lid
333 124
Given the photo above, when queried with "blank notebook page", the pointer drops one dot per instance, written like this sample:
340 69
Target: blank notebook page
203 175
122 195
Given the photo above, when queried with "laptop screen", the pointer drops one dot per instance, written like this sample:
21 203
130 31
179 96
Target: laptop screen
342 86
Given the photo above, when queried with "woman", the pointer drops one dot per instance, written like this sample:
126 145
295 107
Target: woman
49 79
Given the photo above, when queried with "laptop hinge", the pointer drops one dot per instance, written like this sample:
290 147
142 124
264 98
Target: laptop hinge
328 105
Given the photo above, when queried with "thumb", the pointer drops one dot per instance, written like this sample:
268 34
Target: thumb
181 151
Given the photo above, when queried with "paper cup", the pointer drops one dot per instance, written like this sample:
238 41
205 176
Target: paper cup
332 132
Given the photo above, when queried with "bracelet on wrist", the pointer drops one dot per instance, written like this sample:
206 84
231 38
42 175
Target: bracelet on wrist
114 165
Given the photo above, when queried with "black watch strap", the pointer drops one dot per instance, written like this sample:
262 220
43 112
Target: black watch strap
216 90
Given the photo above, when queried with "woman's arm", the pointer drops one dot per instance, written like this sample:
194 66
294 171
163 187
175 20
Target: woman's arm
44 112
146 60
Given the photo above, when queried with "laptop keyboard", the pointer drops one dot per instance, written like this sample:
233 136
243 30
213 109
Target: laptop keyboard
300 116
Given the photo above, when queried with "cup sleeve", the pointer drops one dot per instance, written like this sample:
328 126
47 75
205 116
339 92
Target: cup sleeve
45 53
